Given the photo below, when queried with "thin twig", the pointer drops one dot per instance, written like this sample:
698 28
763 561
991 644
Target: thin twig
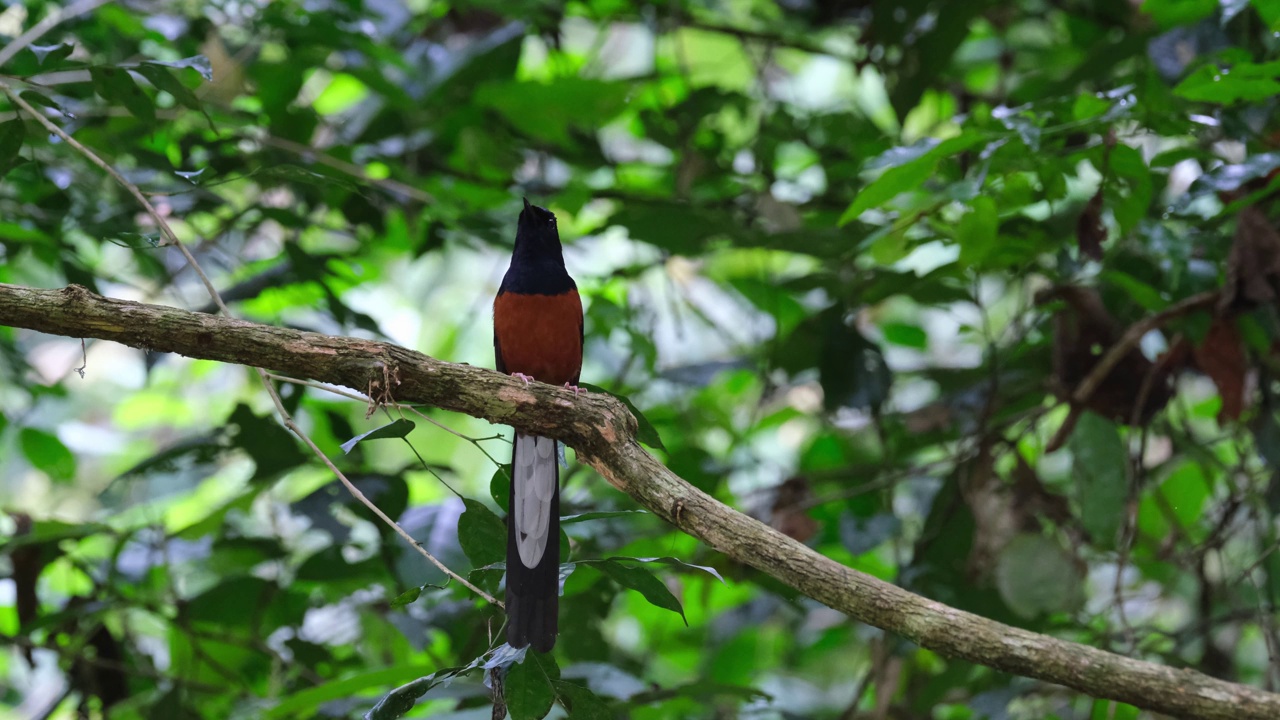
399 406
262 374
355 492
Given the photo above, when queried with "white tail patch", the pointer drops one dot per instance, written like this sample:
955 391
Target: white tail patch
534 463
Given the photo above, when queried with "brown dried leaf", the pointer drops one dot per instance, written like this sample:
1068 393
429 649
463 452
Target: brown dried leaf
1090 232
1222 357
790 509
1253 266
1083 332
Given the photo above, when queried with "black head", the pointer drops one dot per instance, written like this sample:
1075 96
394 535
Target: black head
537 237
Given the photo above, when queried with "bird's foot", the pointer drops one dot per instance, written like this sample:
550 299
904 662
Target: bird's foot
576 390
526 378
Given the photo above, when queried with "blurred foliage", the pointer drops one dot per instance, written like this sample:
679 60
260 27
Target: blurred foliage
846 259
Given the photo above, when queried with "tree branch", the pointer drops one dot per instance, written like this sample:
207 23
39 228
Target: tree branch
603 433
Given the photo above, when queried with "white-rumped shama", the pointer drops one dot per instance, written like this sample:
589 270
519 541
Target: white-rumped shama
537 334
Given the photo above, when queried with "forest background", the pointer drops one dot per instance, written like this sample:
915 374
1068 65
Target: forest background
975 298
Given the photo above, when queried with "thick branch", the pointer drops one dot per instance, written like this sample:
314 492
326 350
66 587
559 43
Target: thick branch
603 433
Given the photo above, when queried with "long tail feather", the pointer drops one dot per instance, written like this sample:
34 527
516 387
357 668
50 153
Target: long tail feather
533 544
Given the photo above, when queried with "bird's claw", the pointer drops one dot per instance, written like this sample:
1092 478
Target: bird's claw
576 390
526 378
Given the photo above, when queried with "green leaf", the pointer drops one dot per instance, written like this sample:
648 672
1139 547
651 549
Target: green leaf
1185 491
118 86
1148 297
906 176
164 80
1168 13
1230 177
680 229
1036 576
1243 81
643 582
500 487
272 447
1269 11
581 703
1129 166
977 231
1098 465
15 233
301 702
330 567
408 597
911 336
51 56
51 531
674 562
47 453
646 432
231 603
400 701
12 135
527 687
1088 105
851 368
551 110
397 429
199 63
482 534
39 99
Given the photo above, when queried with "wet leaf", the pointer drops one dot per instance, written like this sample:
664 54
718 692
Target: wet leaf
643 582
397 429
1243 81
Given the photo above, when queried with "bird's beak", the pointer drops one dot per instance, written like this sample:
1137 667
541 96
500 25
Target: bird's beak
526 203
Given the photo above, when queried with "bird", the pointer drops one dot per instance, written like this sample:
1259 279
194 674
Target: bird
537 335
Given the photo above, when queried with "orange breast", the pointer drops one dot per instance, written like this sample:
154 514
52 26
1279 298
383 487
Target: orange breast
540 335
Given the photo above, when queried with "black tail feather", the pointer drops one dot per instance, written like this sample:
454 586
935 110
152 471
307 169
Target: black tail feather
533 594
